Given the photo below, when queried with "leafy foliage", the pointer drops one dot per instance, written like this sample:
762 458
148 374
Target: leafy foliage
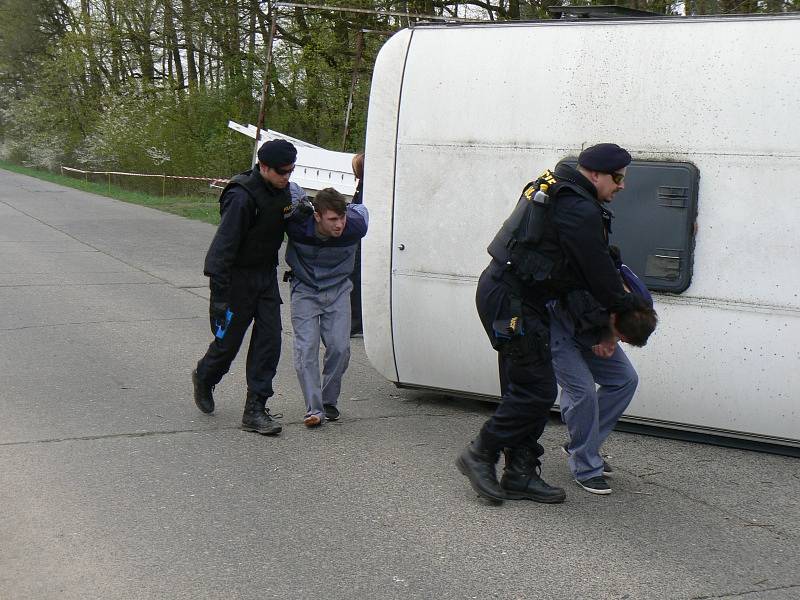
149 85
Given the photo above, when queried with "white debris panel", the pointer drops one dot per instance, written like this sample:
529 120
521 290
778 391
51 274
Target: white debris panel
316 168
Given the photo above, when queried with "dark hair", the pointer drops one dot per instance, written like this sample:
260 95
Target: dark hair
329 199
637 323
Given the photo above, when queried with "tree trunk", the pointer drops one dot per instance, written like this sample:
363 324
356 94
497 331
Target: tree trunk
172 36
251 44
188 36
93 65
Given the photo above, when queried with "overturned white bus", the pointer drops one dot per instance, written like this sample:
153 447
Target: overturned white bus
461 117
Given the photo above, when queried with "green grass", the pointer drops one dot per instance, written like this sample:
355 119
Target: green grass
200 208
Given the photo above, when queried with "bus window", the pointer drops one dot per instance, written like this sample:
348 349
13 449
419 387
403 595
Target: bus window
654 220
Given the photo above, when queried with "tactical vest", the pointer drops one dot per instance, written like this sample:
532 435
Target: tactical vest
527 243
260 245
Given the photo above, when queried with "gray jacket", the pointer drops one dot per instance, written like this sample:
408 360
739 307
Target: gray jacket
323 264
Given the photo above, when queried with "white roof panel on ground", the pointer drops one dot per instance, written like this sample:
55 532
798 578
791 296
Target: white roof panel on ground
316 168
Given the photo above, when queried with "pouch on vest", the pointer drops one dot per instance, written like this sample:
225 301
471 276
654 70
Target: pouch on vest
515 244
530 266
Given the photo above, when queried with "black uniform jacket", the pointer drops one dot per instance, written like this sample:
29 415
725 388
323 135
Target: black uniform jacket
250 232
582 234
576 240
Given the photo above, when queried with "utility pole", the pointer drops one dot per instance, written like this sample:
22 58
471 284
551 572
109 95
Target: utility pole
353 81
265 89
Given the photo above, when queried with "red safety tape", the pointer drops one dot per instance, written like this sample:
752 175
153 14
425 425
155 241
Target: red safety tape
212 179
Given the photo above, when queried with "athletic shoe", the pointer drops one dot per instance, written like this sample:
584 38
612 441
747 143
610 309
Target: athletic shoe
331 412
595 485
608 470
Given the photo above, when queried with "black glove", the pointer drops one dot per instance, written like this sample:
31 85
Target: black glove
218 305
300 211
305 208
218 312
586 312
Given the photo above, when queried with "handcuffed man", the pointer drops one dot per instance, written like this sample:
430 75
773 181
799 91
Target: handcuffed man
586 354
321 253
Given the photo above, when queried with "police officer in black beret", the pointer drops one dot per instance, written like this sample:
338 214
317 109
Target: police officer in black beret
553 243
241 265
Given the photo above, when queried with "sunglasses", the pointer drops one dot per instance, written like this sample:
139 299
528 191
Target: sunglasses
617 177
283 171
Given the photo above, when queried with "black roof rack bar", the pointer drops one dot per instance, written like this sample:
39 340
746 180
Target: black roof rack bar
608 11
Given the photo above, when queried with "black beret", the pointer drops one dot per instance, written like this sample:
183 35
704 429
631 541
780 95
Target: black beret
277 153
605 158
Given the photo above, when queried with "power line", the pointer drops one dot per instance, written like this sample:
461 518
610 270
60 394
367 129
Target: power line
378 12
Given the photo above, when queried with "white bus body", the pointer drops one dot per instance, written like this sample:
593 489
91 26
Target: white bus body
461 117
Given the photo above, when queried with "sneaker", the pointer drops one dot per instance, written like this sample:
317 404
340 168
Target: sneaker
312 421
331 412
608 470
595 485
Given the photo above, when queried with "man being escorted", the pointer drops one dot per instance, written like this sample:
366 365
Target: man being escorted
554 242
321 253
241 264
586 354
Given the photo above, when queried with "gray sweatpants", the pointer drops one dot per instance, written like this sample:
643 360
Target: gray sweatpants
321 316
589 412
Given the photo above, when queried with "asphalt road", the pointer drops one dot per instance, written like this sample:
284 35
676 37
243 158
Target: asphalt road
113 485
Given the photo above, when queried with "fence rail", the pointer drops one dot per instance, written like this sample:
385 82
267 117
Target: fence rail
213 182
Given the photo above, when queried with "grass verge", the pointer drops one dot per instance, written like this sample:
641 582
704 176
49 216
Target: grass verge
200 208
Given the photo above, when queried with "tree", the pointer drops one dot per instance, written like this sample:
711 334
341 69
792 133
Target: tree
130 82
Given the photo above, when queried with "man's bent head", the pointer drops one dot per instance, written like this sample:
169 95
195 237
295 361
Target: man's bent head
635 326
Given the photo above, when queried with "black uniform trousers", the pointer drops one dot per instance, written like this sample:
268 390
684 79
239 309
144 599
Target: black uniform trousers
254 297
528 385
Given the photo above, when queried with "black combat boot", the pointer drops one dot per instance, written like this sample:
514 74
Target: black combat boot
521 479
477 462
203 394
256 416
